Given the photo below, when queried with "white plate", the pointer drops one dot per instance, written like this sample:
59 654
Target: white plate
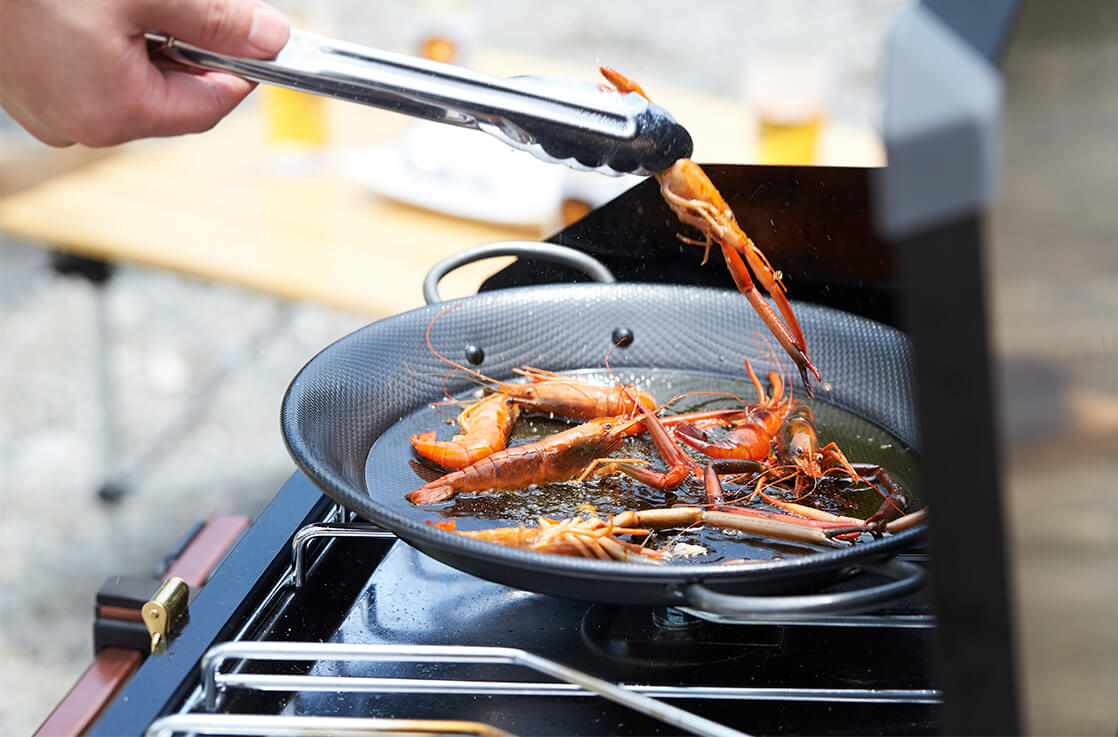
461 172
469 174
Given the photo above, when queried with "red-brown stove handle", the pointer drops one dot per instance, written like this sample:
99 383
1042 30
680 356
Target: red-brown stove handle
113 666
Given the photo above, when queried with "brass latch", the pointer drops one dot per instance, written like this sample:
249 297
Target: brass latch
165 610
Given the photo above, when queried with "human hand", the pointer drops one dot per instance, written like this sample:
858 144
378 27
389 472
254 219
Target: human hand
79 72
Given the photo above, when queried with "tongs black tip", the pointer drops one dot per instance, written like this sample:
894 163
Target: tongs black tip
656 143
665 141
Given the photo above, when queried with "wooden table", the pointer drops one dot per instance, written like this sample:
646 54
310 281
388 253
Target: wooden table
210 206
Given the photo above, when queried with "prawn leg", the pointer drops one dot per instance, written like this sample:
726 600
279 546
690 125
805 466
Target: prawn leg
800 514
895 497
787 331
713 484
908 521
680 465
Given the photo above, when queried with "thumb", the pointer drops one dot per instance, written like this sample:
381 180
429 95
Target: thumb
235 27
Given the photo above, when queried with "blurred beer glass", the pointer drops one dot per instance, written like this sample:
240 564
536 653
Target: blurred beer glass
294 118
790 93
297 122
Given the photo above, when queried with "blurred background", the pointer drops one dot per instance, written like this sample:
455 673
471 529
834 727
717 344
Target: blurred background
234 256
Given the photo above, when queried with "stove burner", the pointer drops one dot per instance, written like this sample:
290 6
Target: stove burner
668 638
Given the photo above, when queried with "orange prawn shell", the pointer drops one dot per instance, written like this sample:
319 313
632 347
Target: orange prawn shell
558 457
687 181
797 443
589 538
752 434
695 200
486 425
565 396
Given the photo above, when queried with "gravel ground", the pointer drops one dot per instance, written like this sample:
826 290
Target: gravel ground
58 541
1054 279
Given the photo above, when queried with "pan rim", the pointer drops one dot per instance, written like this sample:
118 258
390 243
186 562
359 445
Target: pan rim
424 536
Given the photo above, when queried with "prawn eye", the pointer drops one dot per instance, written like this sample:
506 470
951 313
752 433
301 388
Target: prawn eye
607 426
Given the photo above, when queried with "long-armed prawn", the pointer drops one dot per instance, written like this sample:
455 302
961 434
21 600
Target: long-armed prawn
794 455
798 446
589 538
697 202
755 427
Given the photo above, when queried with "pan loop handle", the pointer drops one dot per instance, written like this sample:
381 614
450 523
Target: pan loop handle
552 252
904 578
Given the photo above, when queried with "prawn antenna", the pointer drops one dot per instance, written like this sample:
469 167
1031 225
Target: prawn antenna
427 336
684 395
624 388
764 347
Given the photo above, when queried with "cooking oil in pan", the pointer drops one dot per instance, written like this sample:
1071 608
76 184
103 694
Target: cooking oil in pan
604 496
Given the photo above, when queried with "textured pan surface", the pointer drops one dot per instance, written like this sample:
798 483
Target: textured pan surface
357 388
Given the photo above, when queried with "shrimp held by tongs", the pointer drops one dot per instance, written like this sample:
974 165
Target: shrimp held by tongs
696 202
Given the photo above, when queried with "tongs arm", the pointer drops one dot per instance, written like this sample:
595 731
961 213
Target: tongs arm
557 120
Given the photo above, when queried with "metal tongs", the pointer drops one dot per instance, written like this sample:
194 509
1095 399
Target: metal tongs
557 120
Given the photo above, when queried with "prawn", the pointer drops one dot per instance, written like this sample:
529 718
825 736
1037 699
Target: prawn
564 396
754 427
574 453
486 425
695 200
798 446
590 538
565 455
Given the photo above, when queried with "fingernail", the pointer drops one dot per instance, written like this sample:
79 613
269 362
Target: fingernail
270 29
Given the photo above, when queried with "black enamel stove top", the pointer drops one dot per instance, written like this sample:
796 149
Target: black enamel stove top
843 674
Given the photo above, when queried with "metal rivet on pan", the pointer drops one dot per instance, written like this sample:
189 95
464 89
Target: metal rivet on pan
474 353
622 337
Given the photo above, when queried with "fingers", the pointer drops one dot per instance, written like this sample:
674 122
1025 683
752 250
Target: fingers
170 102
187 102
235 27
80 71
179 101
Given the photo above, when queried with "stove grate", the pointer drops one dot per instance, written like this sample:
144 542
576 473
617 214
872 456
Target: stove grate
244 655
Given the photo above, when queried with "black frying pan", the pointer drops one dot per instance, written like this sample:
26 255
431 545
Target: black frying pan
359 387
